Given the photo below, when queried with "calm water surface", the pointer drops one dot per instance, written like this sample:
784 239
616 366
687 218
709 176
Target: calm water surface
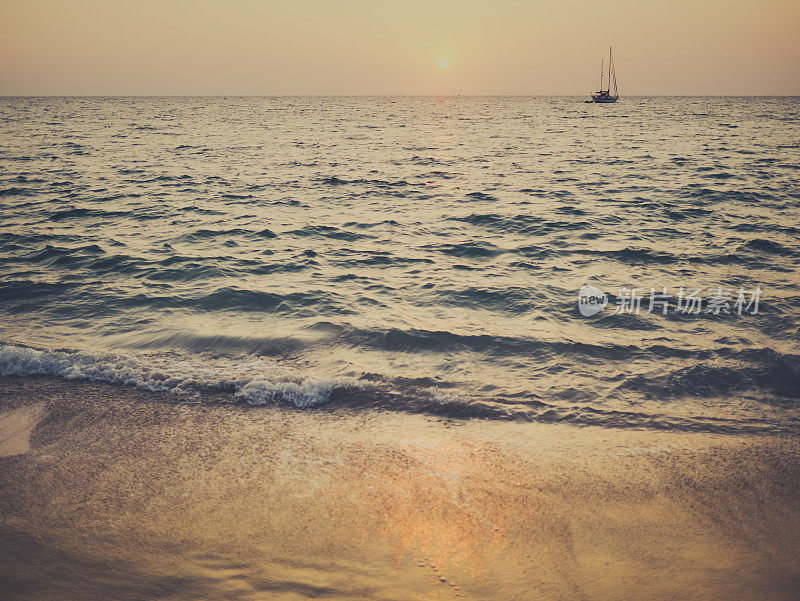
415 254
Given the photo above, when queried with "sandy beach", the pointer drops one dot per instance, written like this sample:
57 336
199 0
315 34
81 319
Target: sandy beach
399 301
110 492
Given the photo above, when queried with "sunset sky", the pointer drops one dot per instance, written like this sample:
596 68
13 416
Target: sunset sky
152 47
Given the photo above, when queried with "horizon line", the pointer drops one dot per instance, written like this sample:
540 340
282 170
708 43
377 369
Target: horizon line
387 95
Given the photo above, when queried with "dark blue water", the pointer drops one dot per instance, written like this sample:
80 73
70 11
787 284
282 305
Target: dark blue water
413 254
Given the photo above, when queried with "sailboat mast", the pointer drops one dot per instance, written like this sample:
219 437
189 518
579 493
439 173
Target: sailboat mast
601 74
609 68
614 75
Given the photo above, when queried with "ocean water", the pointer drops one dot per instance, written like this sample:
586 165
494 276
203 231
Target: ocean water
412 254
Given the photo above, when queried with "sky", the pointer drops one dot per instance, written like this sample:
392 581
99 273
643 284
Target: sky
270 47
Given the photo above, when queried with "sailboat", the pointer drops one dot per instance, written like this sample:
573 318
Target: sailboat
606 95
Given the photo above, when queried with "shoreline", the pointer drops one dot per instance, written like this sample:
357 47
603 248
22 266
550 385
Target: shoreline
123 493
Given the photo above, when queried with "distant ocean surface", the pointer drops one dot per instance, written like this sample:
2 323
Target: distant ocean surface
411 254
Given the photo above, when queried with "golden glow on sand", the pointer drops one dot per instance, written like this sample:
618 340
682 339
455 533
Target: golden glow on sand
250 501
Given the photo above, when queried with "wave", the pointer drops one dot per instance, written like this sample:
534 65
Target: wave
485 196
378 259
205 234
190 272
420 160
83 212
15 192
778 378
767 227
523 223
417 340
690 213
470 249
306 303
237 196
259 382
368 225
378 183
245 382
771 247
85 299
327 231
22 290
24 179
201 210
515 300
515 223
635 255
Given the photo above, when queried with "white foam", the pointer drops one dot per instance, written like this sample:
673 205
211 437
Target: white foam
257 381
306 394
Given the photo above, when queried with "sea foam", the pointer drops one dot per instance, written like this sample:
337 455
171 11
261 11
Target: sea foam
256 381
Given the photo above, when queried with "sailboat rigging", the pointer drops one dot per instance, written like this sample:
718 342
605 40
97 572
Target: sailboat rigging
606 95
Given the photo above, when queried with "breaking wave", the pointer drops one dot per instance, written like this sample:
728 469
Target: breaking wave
249 381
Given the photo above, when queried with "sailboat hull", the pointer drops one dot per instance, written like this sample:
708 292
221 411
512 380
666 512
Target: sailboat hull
604 100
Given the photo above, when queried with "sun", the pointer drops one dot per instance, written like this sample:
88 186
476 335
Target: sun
443 62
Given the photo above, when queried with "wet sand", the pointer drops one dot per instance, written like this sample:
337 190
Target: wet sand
108 492
16 426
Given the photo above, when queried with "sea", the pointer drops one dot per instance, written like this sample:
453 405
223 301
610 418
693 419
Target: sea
626 266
